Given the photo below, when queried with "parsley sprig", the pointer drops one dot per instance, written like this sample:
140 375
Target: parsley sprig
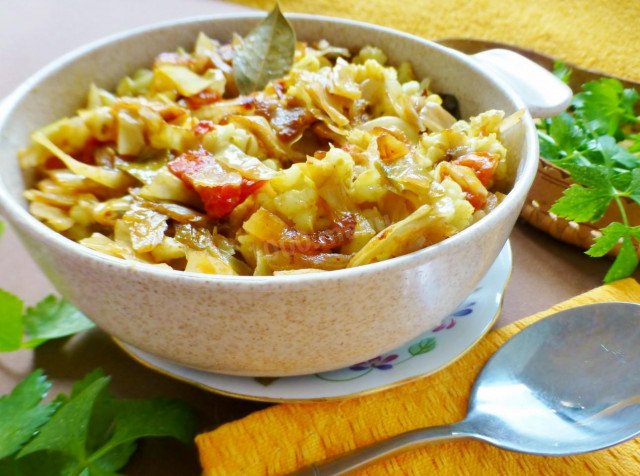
50 318
597 142
86 433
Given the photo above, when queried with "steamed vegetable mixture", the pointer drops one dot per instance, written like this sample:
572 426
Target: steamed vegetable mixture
344 161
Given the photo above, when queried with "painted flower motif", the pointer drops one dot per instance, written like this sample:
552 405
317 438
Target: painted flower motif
465 311
450 321
380 362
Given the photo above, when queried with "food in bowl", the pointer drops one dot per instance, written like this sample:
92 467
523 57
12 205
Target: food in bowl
254 325
342 162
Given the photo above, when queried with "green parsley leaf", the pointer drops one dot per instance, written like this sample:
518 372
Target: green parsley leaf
625 263
611 236
604 105
582 204
562 71
102 416
634 231
619 155
560 130
10 322
633 189
67 430
548 147
136 419
20 413
567 136
82 384
1 227
114 459
563 137
635 143
88 432
589 174
627 103
43 463
52 318
601 156
627 259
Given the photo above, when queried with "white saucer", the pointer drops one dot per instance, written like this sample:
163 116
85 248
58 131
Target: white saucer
430 352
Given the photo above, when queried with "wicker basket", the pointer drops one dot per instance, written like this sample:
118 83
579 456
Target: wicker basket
548 186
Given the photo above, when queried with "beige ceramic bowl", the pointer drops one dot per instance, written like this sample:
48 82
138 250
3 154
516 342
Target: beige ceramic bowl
263 326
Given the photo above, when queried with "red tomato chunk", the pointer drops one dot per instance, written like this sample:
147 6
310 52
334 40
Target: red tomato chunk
220 189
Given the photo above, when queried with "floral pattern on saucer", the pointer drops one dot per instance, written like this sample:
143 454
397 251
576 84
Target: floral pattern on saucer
414 349
429 353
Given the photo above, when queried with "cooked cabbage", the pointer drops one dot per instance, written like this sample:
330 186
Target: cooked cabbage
340 163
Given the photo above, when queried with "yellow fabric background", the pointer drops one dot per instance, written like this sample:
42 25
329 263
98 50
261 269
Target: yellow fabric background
283 438
603 35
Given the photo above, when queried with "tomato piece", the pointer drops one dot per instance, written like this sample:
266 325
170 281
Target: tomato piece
220 201
476 200
52 162
220 190
482 163
187 165
202 99
202 127
87 155
475 192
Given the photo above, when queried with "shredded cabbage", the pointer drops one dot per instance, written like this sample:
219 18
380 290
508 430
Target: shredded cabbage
340 163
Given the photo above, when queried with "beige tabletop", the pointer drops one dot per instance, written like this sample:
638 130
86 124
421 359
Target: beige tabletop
34 32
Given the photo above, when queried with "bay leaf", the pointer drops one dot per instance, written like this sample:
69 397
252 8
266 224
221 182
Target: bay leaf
265 54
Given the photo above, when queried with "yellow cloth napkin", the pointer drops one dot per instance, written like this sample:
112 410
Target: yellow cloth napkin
285 437
597 34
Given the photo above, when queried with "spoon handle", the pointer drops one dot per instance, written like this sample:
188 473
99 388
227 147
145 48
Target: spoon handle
360 457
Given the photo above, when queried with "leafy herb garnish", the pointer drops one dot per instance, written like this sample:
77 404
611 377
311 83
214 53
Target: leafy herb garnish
266 53
21 415
596 142
88 432
562 71
50 318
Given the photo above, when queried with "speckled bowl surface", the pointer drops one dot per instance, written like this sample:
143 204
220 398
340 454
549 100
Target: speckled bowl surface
262 326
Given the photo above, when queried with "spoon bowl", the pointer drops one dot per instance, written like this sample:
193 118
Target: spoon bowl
567 384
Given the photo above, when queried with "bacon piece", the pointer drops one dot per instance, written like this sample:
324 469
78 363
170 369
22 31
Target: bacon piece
291 123
340 231
288 119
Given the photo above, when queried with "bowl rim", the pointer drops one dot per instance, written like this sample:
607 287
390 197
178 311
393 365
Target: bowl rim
16 213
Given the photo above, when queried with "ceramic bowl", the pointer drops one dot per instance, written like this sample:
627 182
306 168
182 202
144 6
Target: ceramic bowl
263 326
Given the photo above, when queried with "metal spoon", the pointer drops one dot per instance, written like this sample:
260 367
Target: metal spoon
567 384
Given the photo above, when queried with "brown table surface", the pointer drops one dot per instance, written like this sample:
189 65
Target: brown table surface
545 271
